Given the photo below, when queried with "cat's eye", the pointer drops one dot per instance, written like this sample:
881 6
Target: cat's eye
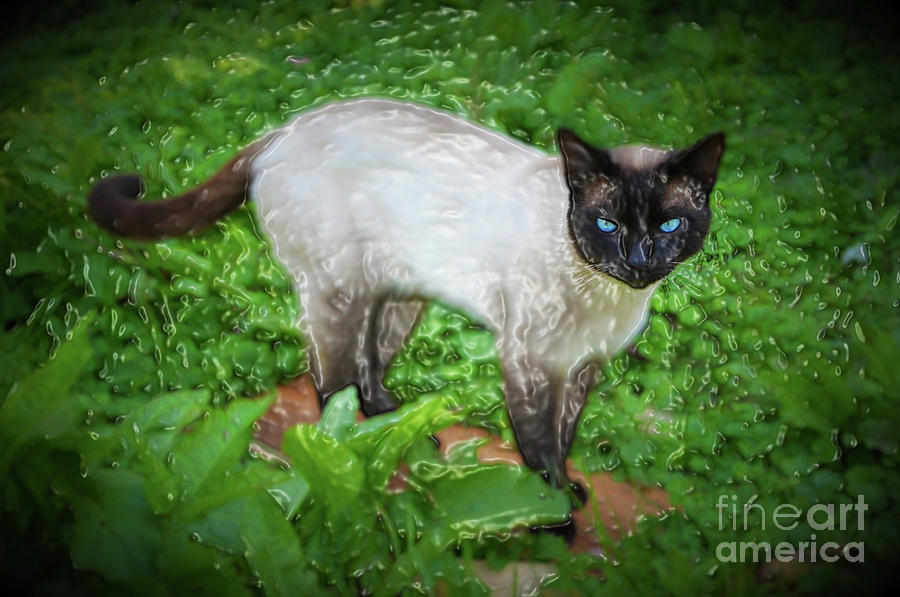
670 225
606 225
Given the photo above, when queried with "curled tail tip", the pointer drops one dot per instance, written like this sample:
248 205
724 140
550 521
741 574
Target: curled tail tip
128 186
107 199
111 203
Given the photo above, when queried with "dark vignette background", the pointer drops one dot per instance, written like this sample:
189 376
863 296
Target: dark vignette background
861 36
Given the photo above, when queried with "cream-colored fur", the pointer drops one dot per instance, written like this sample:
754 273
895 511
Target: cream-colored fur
368 196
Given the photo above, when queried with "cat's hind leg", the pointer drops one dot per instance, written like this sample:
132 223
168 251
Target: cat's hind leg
334 323
544 407
390 322
352 338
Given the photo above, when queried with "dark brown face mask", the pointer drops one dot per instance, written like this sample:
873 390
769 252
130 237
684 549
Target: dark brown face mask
637 225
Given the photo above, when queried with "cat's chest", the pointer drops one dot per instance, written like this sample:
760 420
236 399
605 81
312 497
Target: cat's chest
590 321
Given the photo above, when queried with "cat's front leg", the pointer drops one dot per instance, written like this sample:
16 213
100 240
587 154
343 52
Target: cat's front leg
532 397
579 382
530 403
544 407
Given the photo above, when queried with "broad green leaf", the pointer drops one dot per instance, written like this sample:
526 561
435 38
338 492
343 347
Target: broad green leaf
333 471
154 428
115 533
256 477
469 501
169 411
273 550
41 405
212 447
220 527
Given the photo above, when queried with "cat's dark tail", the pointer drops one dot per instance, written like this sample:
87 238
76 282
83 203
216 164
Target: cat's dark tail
111 203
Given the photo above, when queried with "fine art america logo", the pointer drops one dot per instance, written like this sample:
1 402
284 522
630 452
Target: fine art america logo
786 517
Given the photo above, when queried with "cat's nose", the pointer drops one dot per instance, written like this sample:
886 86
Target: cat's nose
639 255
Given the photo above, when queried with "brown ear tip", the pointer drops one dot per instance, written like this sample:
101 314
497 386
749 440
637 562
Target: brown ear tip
712 145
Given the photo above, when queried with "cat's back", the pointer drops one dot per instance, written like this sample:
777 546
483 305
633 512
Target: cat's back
407 184
378 136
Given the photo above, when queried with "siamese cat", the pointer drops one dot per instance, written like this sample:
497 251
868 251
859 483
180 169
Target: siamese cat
373 205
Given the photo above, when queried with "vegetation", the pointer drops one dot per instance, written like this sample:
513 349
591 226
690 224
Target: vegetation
131 373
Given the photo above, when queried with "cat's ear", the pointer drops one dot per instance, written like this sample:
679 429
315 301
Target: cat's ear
582 161
700 162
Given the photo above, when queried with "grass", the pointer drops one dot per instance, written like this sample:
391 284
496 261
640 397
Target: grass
129 371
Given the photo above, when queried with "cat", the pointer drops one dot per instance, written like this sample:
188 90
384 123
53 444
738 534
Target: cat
373 205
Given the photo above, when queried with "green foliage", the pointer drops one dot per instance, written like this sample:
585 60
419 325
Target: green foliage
767 369
167 492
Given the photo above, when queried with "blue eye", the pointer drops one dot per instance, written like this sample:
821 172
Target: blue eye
607 225
670 225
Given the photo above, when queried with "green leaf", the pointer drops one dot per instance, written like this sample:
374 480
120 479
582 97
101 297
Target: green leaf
169 411
274 551
41 405
386 437
115 533
493 499
690 39
200 460
333 471
220 527
289 494
256 478
339 414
